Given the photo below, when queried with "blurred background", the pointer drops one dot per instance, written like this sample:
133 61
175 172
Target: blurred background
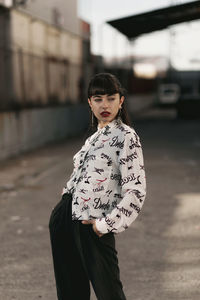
48 52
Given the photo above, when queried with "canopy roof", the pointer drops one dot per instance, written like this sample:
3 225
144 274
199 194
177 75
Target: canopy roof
135 25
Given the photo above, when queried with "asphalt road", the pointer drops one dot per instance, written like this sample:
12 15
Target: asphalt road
159 254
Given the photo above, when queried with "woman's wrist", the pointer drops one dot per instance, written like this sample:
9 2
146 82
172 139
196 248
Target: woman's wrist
96 230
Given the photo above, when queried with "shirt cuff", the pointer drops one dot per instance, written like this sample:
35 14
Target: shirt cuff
102 226
65 190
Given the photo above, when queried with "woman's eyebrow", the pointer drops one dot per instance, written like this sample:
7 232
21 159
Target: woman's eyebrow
97 96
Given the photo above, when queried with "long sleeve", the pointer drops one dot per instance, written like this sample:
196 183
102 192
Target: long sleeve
69 183
133 187
77 159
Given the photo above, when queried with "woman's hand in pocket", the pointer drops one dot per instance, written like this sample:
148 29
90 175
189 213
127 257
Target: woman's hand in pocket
87 222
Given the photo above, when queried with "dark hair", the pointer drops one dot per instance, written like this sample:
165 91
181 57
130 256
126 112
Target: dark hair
107 84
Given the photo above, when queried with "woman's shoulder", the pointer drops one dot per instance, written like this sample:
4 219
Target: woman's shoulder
128 136
126 130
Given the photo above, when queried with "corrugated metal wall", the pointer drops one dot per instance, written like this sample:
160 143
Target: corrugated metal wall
39 65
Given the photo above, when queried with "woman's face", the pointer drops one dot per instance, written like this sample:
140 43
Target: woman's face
100 104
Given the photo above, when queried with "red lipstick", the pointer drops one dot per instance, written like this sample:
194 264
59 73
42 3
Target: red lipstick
105 114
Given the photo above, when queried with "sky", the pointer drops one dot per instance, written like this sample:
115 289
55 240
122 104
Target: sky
101 10
107 41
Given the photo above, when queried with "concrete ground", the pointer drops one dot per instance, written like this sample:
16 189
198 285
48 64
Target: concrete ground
159 254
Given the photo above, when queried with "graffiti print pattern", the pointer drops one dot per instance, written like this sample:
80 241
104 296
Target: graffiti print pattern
108 181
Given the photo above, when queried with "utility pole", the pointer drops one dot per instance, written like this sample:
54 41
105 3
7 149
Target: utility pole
172 35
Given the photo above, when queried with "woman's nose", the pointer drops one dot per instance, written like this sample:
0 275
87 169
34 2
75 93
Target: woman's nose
105 104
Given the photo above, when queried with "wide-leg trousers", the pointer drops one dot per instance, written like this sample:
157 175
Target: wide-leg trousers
81 257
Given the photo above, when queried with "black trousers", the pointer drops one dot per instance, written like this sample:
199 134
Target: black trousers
80 256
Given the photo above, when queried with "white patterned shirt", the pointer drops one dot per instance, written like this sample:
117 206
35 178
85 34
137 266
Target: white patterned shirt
108 181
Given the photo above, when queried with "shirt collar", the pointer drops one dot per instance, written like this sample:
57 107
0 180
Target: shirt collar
111 124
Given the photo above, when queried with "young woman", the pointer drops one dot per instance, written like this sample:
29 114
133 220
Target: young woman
103 196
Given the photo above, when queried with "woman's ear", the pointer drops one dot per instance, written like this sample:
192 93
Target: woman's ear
121 100
89 102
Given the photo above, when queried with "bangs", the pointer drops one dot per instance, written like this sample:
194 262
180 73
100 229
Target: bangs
103 86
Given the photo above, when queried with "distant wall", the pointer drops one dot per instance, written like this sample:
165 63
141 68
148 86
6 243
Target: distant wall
31 128
40 64
47 61
62 13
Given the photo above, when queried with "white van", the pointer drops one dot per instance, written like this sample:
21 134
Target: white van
168 93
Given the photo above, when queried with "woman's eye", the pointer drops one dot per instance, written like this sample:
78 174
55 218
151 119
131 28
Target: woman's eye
97 100
111 99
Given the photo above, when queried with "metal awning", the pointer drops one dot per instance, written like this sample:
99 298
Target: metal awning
135 25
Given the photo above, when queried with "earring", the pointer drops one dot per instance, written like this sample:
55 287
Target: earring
92 118
119 112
